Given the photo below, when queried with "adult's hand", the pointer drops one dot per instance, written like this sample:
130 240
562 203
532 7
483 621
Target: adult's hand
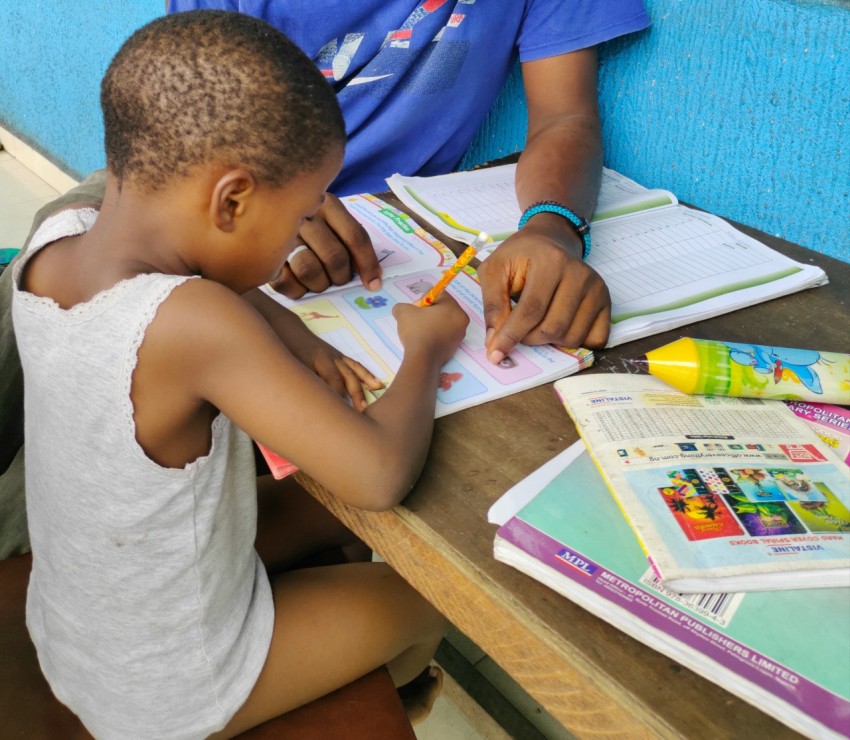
337 246
560 299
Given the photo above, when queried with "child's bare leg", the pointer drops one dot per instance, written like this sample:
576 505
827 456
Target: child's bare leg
292 526
333 625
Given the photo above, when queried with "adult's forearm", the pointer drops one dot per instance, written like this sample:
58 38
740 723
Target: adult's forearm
562 161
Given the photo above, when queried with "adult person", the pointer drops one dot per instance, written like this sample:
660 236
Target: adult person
415 80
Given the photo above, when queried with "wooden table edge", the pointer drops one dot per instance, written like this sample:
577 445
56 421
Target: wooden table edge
594 703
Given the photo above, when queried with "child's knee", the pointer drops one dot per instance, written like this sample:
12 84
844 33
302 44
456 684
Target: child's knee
424 613
430 619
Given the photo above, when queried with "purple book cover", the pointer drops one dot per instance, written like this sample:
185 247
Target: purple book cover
788 650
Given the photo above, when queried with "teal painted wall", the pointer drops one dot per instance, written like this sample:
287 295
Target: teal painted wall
53 55
741 108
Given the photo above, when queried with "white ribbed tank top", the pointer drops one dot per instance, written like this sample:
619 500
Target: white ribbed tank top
150 610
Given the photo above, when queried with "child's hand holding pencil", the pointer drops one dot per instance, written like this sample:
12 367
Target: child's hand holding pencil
436 333
450 274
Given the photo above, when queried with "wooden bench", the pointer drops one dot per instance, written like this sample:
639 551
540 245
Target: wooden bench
367 709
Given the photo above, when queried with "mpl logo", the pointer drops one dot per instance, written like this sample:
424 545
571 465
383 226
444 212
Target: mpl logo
576 561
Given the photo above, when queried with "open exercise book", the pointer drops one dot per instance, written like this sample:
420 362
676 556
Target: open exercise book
665 265
361 325
785 652
725 494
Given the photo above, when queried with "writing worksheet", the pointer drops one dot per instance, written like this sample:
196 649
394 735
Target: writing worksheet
665 265
360 323
463 203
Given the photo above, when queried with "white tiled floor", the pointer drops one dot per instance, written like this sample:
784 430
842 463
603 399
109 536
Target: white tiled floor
22 193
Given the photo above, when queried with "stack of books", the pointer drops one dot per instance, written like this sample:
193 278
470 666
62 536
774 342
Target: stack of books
714 530
726 542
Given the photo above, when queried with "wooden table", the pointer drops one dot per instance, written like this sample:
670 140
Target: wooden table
595 680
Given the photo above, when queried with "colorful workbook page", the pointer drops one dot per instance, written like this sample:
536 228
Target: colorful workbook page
665 265
360 323
785 652
726 494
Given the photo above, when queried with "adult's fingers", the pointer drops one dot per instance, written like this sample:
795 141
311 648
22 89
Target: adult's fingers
304 268
332 261
495 281
288 284
351 233
597 336
539 287
573 316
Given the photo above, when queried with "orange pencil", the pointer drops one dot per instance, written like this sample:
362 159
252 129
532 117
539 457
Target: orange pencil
454 270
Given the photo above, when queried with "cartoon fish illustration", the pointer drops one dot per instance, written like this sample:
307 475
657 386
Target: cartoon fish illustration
780 362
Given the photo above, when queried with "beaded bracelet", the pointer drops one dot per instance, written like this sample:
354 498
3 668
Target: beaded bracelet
580 225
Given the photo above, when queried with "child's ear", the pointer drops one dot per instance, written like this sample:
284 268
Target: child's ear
230 196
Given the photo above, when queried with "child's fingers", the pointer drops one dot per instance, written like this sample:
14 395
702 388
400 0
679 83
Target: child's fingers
363 373
400 308
352 384
331 373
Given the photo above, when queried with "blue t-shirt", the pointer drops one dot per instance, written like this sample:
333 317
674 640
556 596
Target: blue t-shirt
416 78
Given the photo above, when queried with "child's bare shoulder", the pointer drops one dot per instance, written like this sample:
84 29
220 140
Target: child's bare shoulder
205 314
199 292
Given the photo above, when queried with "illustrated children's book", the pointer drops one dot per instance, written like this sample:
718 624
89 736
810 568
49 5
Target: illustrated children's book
665 265
725 494
785 652
361 325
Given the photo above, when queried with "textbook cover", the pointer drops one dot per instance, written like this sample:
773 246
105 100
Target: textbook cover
785 652
830 422
725 494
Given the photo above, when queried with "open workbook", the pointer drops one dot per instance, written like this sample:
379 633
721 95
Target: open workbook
725 494
361 325
666 265
785 652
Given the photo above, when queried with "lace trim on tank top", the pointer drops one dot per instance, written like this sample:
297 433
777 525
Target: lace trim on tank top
61 225
70 222
155 300
73 222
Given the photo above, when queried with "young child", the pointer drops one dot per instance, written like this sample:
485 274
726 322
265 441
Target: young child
150 360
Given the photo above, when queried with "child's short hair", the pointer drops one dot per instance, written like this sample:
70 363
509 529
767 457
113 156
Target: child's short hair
215 86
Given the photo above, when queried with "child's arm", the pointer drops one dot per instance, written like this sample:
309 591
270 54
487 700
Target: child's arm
345 375
233 361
